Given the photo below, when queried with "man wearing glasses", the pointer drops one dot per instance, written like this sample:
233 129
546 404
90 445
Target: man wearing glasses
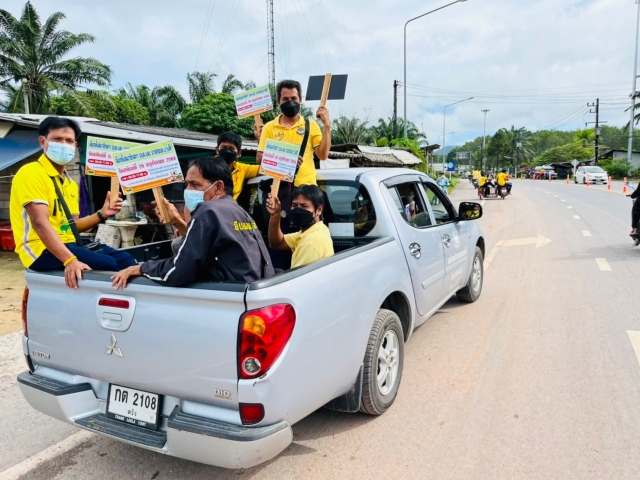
43 235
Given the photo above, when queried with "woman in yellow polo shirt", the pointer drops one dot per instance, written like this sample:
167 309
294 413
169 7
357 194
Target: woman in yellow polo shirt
290 128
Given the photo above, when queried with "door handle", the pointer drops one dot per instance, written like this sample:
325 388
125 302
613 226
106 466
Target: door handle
446 239
415 250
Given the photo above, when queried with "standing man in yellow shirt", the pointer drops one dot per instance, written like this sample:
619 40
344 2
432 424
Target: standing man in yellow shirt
290 127
313 241
45 211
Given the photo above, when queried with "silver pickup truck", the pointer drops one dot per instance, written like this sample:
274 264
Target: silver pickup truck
219 372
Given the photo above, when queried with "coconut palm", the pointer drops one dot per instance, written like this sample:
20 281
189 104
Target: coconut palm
384 129
585 137
32 59
164 104
518 144
350 130
200 85
231 85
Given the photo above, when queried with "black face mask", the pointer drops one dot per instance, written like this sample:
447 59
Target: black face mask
290 109
301 218
229 155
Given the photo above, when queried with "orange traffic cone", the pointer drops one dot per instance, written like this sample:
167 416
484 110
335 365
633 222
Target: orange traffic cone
587 180
609 184
567 179
624 188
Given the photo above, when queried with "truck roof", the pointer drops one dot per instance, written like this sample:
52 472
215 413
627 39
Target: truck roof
375 174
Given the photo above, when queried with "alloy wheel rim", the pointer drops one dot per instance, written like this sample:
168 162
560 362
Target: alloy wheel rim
476 275
388 363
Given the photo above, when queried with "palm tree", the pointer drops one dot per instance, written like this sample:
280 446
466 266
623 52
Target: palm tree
164 104
231 85
32 59
584 137
200 85
350 130
518 145
384 129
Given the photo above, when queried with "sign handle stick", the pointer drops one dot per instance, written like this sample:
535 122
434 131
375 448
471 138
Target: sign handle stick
257 119
325 89
162 208
115 192
275 187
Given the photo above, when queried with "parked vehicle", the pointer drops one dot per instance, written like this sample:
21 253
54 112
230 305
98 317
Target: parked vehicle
636 238
218 372
593 175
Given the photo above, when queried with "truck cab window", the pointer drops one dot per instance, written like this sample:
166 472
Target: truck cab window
441 207
410 204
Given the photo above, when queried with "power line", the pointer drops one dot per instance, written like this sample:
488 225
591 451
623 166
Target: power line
225 32
207 22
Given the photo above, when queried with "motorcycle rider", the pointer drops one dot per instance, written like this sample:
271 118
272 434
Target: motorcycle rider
635 212
503 180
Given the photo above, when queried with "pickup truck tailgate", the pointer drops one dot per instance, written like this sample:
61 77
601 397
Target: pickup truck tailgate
171 341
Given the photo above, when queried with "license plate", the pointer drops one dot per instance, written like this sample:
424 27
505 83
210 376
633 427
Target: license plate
133 406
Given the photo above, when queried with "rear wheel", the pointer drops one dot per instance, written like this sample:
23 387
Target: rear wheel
383 362
473 289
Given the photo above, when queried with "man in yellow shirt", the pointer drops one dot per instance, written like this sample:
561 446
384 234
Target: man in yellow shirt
313 241
503 180
44 234
230 149
289 127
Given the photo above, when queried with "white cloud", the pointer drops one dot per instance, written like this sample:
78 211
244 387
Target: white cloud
547 52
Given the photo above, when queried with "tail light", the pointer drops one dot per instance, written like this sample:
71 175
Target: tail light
25 299
113 303
263 335
251 413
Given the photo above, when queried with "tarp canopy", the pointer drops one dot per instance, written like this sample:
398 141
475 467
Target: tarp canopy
18 145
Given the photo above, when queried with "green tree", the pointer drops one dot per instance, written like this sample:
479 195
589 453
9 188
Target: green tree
564 154
200 85
585 137
350 130
216 114
231 85
164 104
384 129
108 108
32 59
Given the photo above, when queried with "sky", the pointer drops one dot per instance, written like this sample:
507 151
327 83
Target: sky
535 64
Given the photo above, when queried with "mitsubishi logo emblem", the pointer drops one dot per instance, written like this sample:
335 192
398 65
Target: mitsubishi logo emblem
113 349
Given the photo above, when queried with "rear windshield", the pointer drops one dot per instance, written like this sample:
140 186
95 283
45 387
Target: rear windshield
594 170
348 208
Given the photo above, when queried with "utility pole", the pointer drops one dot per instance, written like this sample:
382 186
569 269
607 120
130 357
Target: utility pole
395 110
597 122
633 92
272 50
25 97
484 137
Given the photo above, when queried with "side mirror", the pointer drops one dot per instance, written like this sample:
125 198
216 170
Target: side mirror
631 184
469 211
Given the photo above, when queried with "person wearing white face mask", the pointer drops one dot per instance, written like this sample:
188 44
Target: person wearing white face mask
45 211
221 241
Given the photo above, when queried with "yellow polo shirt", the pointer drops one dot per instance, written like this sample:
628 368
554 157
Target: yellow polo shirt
241 173
476 174
295 134
502 179
32 184
310 246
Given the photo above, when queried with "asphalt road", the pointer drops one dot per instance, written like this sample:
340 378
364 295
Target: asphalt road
538 379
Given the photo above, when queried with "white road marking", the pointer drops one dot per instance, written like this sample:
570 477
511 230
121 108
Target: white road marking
563 200
586 233
538 241
53 451
635 342
556 196
603 265
492 255
570 208
577 217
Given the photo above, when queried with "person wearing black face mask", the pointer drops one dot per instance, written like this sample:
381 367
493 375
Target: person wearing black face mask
291 127
313 241
230 149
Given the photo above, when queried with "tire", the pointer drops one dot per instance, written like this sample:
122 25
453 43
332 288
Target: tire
584 181
473 289
386 338
575 180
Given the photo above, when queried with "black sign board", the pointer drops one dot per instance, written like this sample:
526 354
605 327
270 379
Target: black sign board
336 92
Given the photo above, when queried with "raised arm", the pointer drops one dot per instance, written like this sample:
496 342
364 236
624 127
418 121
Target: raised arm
276 238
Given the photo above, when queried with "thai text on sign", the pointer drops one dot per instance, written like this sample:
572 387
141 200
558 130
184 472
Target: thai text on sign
100 153
279 160
253 102
148 166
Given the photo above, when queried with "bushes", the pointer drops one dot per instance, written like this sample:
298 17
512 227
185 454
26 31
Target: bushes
617 169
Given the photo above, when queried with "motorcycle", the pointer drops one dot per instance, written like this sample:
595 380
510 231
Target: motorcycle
485 191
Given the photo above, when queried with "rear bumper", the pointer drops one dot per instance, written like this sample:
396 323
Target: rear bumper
185 436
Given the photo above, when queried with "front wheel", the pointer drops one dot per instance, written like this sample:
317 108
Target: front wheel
383 362
471 292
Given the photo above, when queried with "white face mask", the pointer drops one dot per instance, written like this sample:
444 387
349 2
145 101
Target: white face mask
60 153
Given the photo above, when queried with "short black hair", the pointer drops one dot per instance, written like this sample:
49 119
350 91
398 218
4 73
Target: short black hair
55 123
310 192
288 84
214 170
231 137
504 170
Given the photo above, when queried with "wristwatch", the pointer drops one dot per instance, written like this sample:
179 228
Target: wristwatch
101 216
